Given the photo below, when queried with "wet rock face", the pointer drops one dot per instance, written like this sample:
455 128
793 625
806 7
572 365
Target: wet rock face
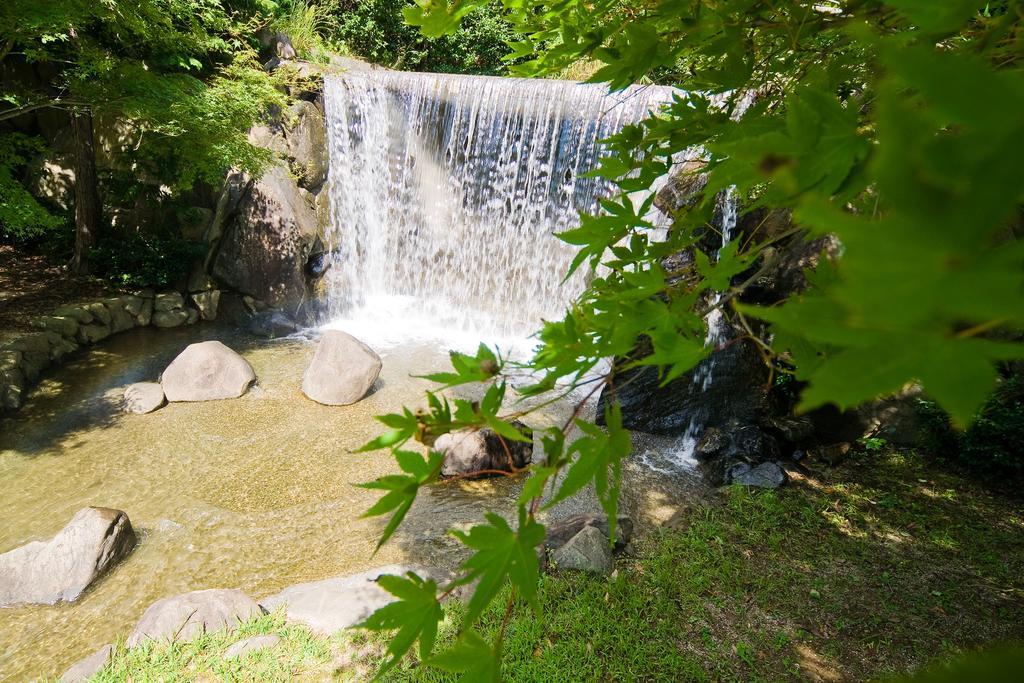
467 452
737 392
183 618
62 568
343 369
207 371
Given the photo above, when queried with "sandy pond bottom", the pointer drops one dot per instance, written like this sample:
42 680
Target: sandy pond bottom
254 493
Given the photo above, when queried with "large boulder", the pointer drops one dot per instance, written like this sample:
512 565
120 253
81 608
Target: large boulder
331 605
207 371
264 250
342 370
307 144
183 618
62 568
482 452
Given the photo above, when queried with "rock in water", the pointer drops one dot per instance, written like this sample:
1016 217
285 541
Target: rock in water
60 569
469 451
143 397
332 605
207 371
342 371
767 475
186 617
254 644
85 669
587 551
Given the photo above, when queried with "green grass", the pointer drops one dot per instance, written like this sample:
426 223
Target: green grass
876 568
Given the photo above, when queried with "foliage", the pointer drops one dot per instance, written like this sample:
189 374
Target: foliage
310 26
144 260
21 216
375 30
881 122
992 444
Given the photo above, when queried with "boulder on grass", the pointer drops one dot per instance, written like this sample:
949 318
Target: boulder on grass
342 370
467 452
587 551
185 617
253 644
62 568
560 531
767 475
143 397
331 605
207 371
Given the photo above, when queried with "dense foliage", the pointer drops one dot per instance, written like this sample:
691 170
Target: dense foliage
886 123
376 30
172 86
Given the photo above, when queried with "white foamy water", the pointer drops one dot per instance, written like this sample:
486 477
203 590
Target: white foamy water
445 192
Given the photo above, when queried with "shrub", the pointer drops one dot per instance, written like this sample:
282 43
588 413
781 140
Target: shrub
145 260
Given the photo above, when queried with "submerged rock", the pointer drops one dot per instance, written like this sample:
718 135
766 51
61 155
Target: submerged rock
469 451
186 617
143 397
587 551
62 568
342 370
331 605
207 371
254 644
86 668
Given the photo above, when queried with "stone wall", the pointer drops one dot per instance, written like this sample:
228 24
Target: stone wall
70 328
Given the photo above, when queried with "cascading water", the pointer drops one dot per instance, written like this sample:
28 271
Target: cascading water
718 330
445 192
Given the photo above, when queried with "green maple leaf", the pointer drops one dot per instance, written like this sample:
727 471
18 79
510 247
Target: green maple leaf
472 657
402 488
414 615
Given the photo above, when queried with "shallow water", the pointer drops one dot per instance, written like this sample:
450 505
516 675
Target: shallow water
254 493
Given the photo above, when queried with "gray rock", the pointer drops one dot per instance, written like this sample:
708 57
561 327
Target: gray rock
560 531
331 605
272 324
62 568
12 388
81 315
90 334
587 551
120 319
264 250
185 617
254 644
192 316
100 313
173 318
207 371
342 370
145 315
767 475
64 325
207 302
168 301
132 304
143 397
469 451
86 668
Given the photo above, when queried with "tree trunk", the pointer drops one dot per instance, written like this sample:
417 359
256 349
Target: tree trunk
87 197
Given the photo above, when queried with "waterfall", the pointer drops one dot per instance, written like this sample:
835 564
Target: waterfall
445 192
718 331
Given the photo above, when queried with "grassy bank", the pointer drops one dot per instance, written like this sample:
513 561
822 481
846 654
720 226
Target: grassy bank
876 567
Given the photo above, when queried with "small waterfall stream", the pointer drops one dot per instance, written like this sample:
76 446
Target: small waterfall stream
445 192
